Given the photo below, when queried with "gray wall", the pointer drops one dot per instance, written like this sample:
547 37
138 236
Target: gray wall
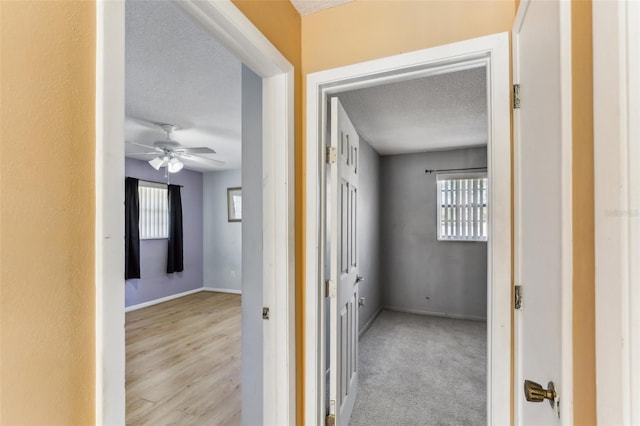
222 249
154 282
251 375
369 237
421 274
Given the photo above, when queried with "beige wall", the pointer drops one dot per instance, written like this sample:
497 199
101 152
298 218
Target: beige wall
47 74
364 30
584 380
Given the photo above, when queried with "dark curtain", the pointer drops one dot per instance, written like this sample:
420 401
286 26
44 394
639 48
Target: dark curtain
131 229
174 256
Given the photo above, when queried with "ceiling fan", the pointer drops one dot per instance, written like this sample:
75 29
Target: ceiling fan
168 153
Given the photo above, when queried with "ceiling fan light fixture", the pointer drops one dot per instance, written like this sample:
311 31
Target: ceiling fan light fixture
157 162
175 165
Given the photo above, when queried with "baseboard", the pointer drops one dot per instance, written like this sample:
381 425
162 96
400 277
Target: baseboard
179 295
367 325
222 290
161 300
434 314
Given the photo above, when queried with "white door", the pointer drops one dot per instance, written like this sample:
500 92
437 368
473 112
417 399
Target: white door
542 206
343 328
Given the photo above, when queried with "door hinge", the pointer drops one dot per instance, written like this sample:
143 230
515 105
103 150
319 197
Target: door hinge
518 297
265 313
329 289
516 96
331 155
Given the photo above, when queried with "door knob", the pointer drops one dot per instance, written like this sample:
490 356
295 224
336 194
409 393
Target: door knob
359 278
534 392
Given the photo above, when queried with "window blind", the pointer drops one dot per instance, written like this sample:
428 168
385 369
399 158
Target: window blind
462 207
154 211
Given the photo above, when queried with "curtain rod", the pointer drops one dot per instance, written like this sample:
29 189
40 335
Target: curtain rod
153 181
455 170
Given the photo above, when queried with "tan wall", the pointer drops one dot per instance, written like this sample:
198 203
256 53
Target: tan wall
47 86
364 30
584 380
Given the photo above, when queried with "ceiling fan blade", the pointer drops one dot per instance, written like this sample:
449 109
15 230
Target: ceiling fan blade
199 159
142 153
150 124
198 150
144 146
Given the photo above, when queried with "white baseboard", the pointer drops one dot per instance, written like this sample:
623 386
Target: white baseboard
162 299
222 290
368 323
178 295
434 314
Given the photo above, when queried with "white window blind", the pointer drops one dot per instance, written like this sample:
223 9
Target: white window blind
154 211
462 207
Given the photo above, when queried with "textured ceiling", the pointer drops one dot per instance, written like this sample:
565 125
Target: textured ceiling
177 73
437 112
307 7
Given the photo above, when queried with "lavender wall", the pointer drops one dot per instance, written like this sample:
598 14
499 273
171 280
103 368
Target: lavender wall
155 283
252 322
222 247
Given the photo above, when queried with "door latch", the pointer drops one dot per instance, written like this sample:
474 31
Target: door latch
265 313
534 392
330 420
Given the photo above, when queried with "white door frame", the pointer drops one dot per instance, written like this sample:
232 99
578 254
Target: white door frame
616 105
493 52
227 24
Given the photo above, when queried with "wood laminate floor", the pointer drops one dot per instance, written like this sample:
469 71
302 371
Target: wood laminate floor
183 361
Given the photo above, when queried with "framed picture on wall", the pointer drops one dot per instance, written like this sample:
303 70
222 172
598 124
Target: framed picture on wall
234 204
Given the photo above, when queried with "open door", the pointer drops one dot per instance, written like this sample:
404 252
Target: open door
542 212
343 279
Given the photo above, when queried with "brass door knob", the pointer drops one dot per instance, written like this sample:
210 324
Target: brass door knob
534 392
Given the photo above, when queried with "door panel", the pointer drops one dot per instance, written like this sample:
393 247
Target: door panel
343 329
540 196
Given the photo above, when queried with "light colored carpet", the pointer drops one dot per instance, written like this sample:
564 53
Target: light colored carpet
421 370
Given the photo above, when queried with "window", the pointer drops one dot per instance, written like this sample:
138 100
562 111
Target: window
462 207
154 211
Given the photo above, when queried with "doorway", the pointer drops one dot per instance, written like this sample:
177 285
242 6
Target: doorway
491 52
187 103
225 22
